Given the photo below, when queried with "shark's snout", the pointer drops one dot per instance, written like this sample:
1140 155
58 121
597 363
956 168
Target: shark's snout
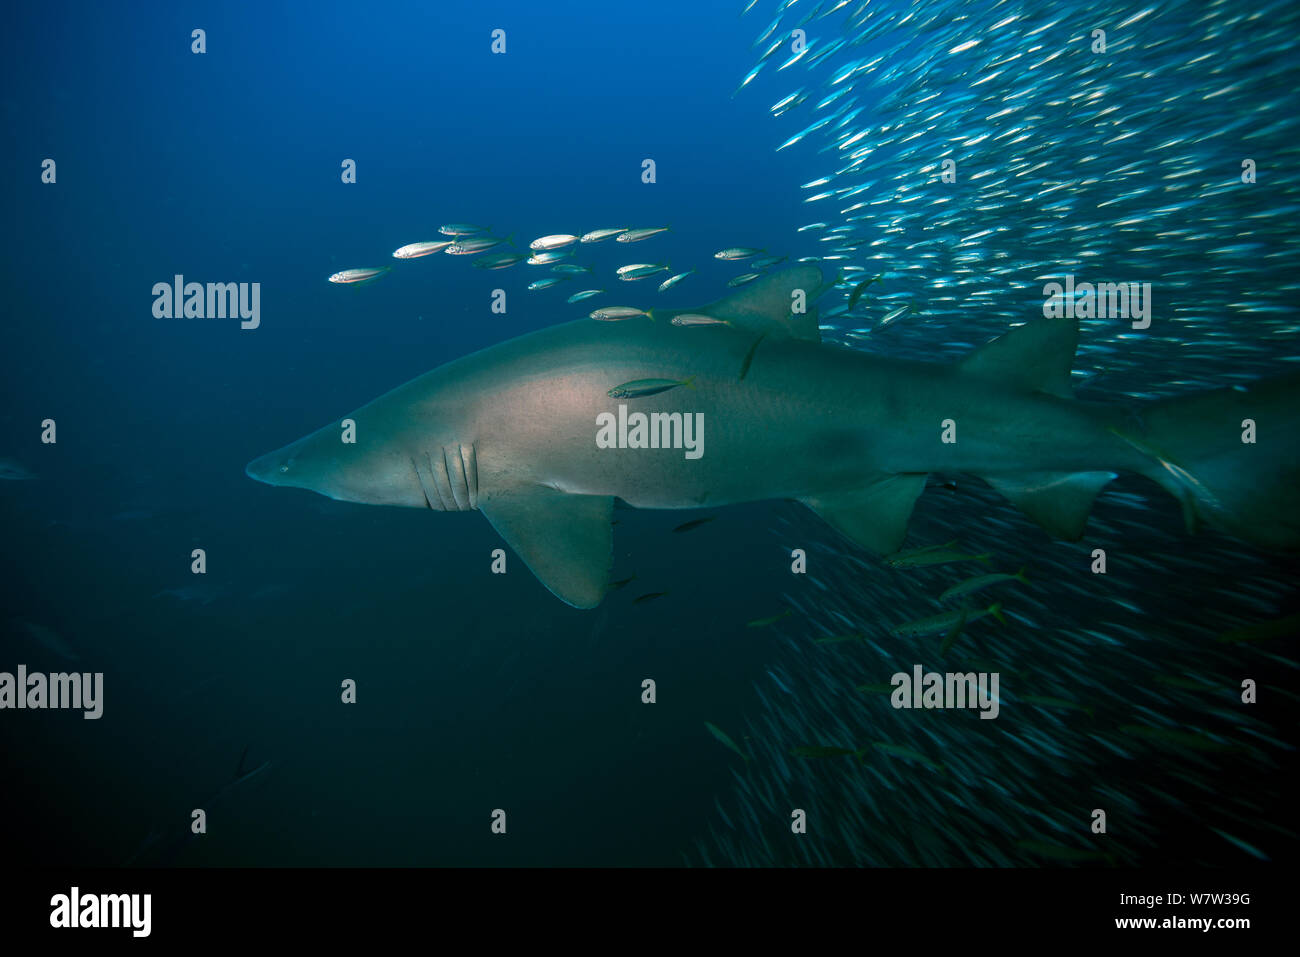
265 468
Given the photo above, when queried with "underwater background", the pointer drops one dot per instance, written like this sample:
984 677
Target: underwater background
478 692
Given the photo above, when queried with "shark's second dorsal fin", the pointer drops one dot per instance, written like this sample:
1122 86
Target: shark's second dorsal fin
1035 357
767 304
566 540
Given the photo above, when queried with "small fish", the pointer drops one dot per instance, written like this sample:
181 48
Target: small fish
695 319
694 523
824 751
416 250
1263 630
636 235
898 751
596 235
725 739
1048 702
639 271
548 282
835 639
461 229
498 260
640 388
891 316
859 289
618 584
546 259
616 313
764 261
1186 683
571 269
749 357
648 596
883 687
764 622
11 471
983 581
1190 740
674 280
736 253
741 280
475 245
367 274
585 294
951 637
912 552
1242 845
556 241
934 624
939 556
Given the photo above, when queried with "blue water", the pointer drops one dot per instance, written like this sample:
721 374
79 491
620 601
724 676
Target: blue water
475 692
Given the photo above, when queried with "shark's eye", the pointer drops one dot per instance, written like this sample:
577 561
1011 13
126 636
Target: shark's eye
284 468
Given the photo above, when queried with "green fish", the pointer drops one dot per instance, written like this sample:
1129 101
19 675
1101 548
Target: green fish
922 550
749 356
934 624
725 739
898 751
648 596
1190 740
694 523
1186 683
833 639
1263 630
764 622
640 388
618 584
937 556
820 751
1048 702
858 290
952 635
585 294
983 581
883 687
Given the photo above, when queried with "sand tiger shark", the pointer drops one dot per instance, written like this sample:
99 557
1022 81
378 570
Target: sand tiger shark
512 431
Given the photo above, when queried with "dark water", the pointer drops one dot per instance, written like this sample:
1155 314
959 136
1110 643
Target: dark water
478 692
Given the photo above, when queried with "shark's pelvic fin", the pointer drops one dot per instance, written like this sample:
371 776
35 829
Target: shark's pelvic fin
767 304
875 516
1058 501
565 540
1035 357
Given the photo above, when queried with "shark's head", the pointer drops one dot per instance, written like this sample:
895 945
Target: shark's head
372 473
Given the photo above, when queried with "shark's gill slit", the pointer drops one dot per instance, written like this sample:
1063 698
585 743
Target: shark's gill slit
456 476
470 461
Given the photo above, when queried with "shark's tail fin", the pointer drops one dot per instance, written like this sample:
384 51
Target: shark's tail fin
1231 457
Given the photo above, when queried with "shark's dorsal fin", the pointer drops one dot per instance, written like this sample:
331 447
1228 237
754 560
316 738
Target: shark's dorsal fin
876 515
565 540
766 304
1035 357
1057 501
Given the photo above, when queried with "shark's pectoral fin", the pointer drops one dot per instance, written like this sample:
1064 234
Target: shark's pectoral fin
1058 501
876 516
565 540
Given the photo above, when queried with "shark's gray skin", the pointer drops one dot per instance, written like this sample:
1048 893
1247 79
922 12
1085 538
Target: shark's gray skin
511 431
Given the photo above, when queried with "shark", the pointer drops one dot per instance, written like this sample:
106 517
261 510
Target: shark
521 431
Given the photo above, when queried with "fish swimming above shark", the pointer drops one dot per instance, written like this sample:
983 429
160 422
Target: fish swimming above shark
514 431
